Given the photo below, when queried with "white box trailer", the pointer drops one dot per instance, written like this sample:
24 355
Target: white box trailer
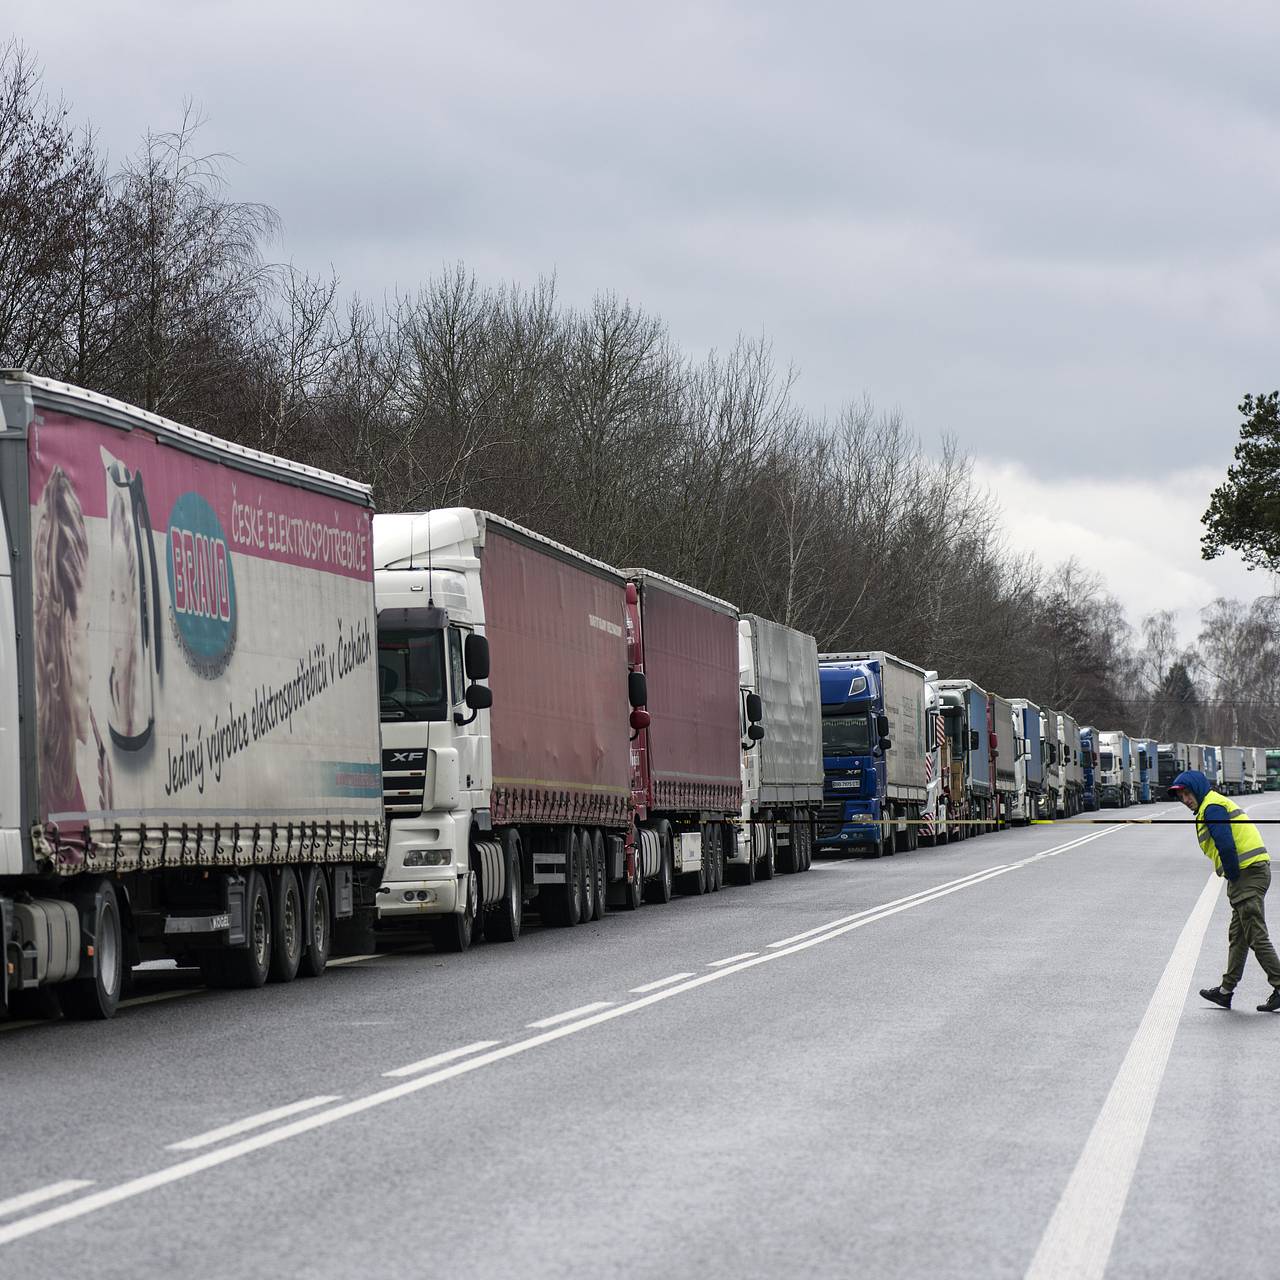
781 771
189 745
1232 759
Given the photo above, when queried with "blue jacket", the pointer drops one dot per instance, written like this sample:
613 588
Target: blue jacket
1216 819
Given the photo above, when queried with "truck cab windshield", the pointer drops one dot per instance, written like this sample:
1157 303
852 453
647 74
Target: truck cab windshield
411 674
846 735
1108 761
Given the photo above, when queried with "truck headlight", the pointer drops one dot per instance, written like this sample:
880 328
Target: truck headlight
427 857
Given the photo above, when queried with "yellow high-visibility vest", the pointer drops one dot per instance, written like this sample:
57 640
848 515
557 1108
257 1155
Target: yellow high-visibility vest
1250 846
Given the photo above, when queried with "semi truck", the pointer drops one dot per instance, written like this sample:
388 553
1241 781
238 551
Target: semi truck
782 774
1145 769
874 752
687 756
1055 765
936 826
507 710
1233 770
1072 799
966 716
1212 765
1115 769
1173 758
189 747
1029 765
1091 781
1004 757
1273 770
1259 769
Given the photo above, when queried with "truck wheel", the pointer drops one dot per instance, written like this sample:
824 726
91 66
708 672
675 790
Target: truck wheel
456 931
288 920
97 996
659 888
249 965
505 920
769 860
601 874
633 892
319 922
747 874
570 892
586 873
722 847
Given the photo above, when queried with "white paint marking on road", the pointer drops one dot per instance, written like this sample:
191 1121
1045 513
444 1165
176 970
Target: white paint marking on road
1078 1239
661 982
439 1059
134 1187
237 1127
349 960
29 1199
742 955
857 915
569 1014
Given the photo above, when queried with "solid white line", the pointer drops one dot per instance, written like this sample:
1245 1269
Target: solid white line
321 1119
349 960
857 915
661 982
238 1127
439 1059
29 1199
569 1014
1078 1239
742 955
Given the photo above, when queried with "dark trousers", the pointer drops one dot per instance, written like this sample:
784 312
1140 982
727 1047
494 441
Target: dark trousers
1248 931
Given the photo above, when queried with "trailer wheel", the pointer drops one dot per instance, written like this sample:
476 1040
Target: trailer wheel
98 995
586 873
288 920
806 844
727 840
601 873
319 923
504 921
249 965
659 888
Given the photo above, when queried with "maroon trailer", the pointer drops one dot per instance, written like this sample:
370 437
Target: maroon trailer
687 763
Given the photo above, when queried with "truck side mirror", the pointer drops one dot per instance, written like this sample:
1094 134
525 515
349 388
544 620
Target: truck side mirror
475 657
886 744
637 689
479 697
755 732
882 726
755 709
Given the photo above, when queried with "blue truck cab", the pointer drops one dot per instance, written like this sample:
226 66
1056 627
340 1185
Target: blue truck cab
853 726
1089 756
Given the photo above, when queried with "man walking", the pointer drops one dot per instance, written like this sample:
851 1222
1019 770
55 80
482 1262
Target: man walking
1238 852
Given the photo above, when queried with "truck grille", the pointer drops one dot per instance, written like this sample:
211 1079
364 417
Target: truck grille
830 817
404 780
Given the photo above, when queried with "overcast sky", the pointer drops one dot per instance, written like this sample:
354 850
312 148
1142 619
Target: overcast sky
1051 231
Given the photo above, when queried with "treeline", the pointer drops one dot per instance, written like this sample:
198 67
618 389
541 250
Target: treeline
146 281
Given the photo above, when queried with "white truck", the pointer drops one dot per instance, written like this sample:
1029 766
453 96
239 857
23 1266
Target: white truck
1115 770
189 748
782 757
1055 764
1071 801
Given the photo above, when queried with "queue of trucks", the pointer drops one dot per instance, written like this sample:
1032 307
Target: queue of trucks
246 724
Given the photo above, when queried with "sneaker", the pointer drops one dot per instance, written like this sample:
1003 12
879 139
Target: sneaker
1273 1003
1216 995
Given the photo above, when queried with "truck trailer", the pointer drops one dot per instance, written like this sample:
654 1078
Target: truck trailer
782 754
1233 770
1071 801
1004 756
187 719
874 752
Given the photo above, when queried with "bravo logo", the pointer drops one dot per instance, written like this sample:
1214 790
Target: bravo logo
202 585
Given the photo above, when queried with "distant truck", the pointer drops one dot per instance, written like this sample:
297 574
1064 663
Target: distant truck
1004 756
782 775
874 752
1049 800
1212 766
687 758
937 826
966 717
189 749
517 791
1029 762
1115 770
1089 737
1072 800
1273 769
1173 758
1259 775
1233 770
1146 769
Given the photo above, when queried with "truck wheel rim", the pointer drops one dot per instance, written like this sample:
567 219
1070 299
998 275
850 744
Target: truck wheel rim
109 953
260 931
289 925
319 919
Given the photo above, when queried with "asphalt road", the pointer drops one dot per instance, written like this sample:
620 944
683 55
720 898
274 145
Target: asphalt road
976 1061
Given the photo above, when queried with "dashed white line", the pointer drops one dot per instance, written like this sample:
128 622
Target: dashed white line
238 1127
29 1199
439 1059
742 955
569 1014
661 982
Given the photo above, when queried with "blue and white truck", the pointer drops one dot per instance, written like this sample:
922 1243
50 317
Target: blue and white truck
874 752
1146 760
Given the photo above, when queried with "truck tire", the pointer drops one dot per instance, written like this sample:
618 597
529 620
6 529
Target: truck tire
586 873
97 996
319 922
769 862
288 926
633 892
807 844
249 965
746 874
456 931
659 888
601 874
503 924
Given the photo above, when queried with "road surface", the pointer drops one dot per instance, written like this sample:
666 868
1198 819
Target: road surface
987 1060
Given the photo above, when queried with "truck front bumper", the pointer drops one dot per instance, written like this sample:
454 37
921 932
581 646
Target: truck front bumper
414 891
